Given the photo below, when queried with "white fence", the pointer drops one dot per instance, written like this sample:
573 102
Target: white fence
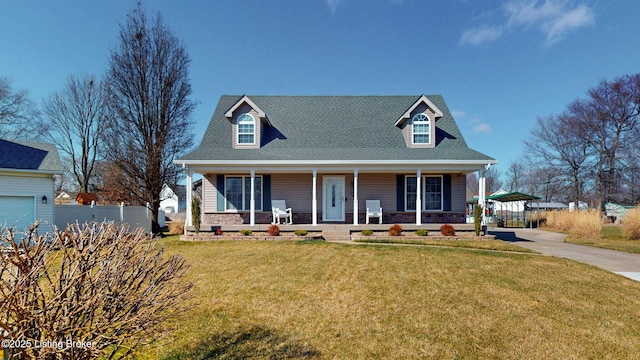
134 216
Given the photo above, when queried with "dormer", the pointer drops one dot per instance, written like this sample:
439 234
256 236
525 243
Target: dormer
418 123
248 122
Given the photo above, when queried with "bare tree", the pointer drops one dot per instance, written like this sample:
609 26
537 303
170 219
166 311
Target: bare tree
148 84
92 291
592 145
118 187
492 180
17 112
608 122
76 119
544 181
557 142
515 176
472 182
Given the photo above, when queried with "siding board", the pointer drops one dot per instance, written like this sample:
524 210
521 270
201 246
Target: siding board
458 192
36 186
295 189
209 194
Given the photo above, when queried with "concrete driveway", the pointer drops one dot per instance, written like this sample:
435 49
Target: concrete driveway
550 243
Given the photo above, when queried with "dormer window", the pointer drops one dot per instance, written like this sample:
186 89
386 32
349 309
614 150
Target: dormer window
421 129
246 129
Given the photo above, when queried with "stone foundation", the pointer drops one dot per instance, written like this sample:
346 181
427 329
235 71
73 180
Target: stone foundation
305 218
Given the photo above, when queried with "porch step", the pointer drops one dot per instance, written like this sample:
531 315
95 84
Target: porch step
339 235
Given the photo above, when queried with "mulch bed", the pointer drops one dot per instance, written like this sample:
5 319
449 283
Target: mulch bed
207 236
461 235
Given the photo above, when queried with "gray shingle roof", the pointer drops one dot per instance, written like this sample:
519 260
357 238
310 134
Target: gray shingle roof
21 155
332 128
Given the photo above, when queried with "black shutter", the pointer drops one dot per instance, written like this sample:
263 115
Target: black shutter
220 190
400 192
266 195
446 192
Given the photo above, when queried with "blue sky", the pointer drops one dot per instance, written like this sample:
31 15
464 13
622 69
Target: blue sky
499 64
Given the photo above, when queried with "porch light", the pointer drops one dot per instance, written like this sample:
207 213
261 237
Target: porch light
44 199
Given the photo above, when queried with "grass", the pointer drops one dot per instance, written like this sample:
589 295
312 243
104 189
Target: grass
317 300
496 245
612 238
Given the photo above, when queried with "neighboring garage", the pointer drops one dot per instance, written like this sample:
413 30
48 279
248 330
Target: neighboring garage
27 194
17 211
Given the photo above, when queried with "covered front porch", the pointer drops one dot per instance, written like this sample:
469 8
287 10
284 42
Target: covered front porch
330 195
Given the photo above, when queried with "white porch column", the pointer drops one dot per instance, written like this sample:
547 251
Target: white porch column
252 202
482 190
314 200
188 217
355 197
419 197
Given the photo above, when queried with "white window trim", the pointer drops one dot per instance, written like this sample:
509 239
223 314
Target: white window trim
244 194
415 120
423 184
238 130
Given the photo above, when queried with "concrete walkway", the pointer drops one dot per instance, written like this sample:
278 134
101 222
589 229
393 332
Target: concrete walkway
550 243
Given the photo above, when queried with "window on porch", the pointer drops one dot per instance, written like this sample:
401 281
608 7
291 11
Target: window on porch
238 193
431 193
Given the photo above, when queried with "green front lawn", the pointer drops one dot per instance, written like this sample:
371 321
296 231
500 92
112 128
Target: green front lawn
612 238
317 300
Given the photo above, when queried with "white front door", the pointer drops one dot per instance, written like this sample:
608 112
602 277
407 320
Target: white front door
333 198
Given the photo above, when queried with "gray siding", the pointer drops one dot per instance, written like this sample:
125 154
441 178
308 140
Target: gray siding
377 187
458 192
296 189
258 127
209 194
407 128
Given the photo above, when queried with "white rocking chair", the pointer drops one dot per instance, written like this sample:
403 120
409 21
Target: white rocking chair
280 211
374 210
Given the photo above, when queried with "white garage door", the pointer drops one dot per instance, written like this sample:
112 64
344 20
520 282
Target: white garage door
17 212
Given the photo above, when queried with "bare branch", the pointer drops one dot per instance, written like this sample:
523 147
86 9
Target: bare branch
99 284
148 84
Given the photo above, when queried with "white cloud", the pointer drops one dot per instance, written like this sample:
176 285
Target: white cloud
527 13
481 128
480 35
333 5
475 119
458 114
476 123
554 18
576 18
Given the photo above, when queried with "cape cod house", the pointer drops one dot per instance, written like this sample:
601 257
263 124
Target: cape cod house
326 155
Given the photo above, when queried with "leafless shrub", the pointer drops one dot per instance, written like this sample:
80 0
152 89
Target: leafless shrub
631 224
175 227
101 286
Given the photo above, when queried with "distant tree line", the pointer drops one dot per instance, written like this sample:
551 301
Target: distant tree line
119 134
590 152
